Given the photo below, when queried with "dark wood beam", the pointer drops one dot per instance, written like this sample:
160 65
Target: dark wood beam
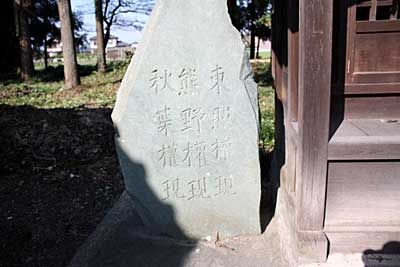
315 53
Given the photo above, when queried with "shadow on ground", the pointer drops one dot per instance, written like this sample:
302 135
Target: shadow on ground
60 177
389 255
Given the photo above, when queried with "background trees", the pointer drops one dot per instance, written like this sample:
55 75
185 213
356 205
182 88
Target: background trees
44 26
71 75
114 14
40 20
23 10
101 49
36 26
251 18
9 58
115 11
28 27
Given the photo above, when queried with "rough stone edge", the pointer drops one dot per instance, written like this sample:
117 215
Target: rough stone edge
246 75
246 72
123 92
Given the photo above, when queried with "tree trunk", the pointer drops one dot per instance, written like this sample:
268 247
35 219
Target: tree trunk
253 28
26 53
101 51
258 47
46 60
67 37
9 48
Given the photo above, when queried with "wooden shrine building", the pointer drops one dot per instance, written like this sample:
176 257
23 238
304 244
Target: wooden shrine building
336 67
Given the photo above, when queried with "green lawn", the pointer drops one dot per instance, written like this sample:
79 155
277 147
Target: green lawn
44 91
262 75
264 55
99 91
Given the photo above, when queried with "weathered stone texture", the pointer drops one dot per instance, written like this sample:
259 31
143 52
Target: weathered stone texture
186 119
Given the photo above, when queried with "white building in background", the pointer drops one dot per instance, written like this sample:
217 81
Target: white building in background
113 42
55 48
115 50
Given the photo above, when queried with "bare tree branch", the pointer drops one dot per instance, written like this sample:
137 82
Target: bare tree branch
115 11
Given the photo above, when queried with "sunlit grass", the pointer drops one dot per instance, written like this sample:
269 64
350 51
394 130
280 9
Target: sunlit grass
44 91
266 100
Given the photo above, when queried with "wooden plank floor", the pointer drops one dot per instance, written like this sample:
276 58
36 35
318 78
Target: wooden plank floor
368 127
366 139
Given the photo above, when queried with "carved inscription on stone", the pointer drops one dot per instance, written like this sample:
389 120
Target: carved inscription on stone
198 188
183 82
200 124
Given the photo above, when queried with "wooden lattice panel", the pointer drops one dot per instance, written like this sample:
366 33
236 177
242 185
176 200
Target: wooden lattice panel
373 47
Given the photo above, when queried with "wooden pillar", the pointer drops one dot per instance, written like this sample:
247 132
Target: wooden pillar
293 75
315 57
293 58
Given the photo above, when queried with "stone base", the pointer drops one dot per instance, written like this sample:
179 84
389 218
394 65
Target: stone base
121 239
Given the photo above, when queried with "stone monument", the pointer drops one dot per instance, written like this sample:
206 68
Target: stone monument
186 122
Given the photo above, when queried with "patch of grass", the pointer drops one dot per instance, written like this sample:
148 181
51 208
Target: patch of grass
267 140
262 75
264 55
96 91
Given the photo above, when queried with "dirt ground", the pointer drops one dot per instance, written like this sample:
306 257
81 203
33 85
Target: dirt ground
59 177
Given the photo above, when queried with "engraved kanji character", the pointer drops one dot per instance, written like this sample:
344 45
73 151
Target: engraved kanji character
224 186
198 189
163 120
188 154
171 189
168 155
188 81
159 81
222 149
217 79
220 115
192 116
200 150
